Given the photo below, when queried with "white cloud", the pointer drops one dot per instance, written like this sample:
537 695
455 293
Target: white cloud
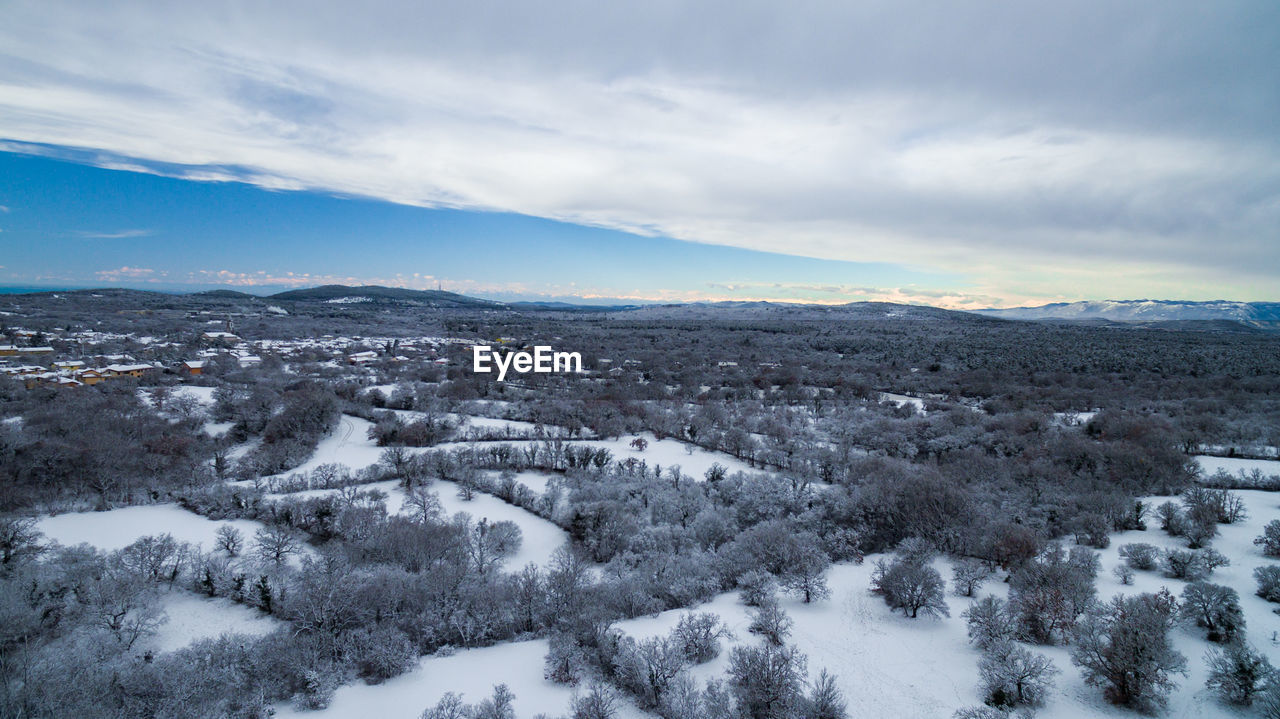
969 144
114 235
131 274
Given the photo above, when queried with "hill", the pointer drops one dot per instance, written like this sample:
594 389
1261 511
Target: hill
343 294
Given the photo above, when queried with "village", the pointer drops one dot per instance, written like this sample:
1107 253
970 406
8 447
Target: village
39 359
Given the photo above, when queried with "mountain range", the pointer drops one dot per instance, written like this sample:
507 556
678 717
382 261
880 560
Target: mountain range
1217 315
1249 313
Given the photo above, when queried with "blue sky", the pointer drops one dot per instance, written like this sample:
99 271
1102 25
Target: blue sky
976 153
67 224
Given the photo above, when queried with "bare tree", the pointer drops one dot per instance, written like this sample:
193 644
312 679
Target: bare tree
1013 676
19 540
275 544
990 622
769 621
1238 673
1123 646
911 587
967 576
230 540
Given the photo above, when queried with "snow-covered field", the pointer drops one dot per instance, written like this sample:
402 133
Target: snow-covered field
492 423
886 665
1234 465
903 400
348 445
203 395
216 429
193 617
535 481
118 528
471 673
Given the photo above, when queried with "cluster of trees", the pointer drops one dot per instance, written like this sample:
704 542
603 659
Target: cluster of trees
290 421
98 448
1123 645
768 680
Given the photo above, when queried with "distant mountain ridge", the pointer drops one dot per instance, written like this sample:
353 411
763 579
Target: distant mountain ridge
374 293
747 310
1212 316
1252 313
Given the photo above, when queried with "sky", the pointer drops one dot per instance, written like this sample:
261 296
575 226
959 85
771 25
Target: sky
968 154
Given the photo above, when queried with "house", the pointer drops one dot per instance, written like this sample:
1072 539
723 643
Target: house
90 376
53 379
22 370
192 367
127 370
225 336
10 350
362 357
68 365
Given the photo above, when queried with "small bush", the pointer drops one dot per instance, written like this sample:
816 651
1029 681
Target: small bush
1140 556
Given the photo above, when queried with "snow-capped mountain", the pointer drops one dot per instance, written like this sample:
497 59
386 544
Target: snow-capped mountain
1145 311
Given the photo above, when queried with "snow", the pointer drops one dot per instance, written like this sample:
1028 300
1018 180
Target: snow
903 400
471 673
535 481
671 452
203 395
193 617
492 423
1234 465
215 429
385 389
886 664
1074 419
348 444
118 528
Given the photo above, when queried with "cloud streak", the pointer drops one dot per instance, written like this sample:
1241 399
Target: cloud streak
114 235
1039 151
131 274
